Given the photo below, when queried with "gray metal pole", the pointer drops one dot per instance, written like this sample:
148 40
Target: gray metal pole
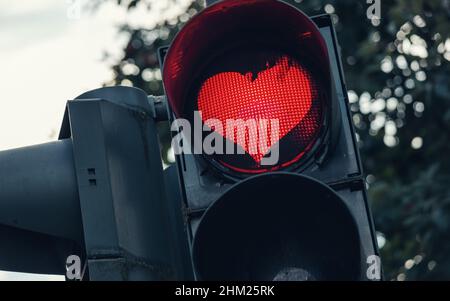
38 190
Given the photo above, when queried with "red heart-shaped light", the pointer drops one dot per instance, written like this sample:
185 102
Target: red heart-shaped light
281 92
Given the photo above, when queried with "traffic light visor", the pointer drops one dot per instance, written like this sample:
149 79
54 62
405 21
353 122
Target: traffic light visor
260 61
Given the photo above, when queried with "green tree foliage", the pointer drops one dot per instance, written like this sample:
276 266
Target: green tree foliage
398 76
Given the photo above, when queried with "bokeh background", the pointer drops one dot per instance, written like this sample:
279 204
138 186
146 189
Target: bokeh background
397 70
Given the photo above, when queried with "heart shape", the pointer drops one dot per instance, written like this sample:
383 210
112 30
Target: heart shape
281 92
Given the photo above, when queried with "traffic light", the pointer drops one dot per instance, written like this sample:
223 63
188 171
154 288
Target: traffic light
96 193
271 72
271 189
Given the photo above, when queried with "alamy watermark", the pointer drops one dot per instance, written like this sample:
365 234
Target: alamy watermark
374 10
74 9
374 267
257 137
74 269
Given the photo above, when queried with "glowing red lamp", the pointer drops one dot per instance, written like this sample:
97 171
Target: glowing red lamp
252 60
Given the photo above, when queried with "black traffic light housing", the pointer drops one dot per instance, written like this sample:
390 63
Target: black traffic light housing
220 209
100 192
277 226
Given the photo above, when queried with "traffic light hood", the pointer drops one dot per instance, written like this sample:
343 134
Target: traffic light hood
232 24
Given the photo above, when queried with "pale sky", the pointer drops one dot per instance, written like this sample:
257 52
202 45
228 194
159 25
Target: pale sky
50 53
